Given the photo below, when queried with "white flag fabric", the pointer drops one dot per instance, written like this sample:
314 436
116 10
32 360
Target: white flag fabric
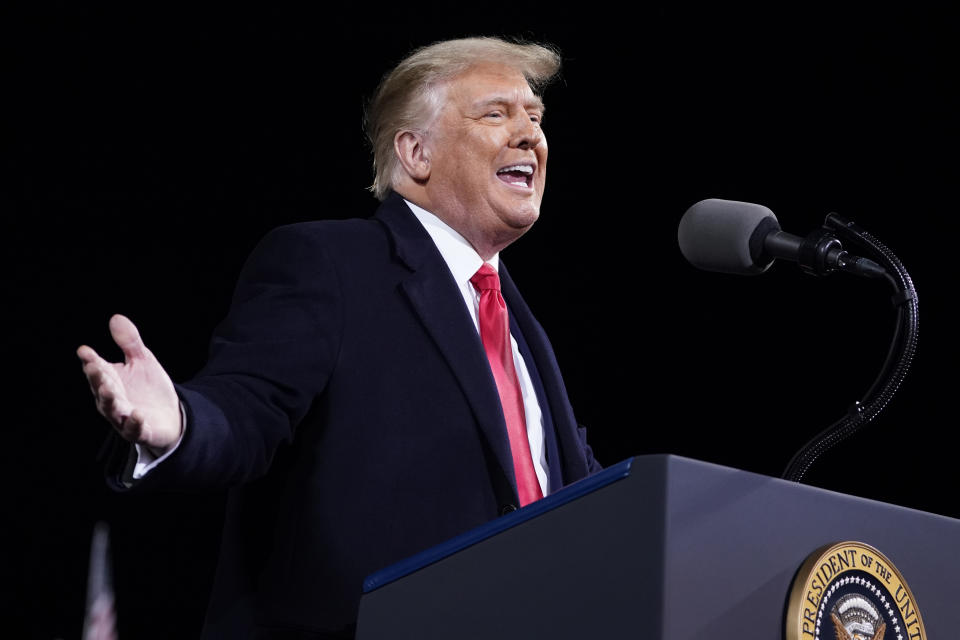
100 621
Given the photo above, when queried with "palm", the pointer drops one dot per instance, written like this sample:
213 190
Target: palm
136 396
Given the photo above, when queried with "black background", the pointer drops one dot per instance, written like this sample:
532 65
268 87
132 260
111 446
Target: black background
146 151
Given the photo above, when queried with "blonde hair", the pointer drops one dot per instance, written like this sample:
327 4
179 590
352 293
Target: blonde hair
411 95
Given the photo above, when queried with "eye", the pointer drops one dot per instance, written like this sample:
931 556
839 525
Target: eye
494 115
536 118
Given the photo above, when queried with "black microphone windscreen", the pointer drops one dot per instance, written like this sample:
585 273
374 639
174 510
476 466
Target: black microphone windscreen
715 235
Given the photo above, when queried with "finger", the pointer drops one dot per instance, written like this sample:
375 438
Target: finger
86 354
93 366
92 361
99 370
106 406
127 337
112 404
95 374
132 427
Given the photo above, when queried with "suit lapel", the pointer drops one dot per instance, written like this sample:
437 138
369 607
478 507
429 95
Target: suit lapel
437 301
572 459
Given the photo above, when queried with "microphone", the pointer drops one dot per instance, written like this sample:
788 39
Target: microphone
744 238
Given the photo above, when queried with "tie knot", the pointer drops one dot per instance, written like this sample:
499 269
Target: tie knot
486 278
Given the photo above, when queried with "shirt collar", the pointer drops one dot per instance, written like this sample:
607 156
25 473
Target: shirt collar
461 258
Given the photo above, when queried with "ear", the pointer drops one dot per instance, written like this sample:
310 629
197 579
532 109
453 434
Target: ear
413 154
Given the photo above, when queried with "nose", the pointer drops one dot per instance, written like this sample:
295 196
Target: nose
526 133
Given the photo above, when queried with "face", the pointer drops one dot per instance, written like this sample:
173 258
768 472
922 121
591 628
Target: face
488 157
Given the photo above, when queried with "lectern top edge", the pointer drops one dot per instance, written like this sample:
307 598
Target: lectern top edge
568 494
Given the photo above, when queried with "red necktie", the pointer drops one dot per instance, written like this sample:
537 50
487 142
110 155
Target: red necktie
495 334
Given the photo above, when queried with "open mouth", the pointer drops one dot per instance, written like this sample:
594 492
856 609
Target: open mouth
518 175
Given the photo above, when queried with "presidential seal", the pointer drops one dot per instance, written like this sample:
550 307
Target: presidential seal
851 591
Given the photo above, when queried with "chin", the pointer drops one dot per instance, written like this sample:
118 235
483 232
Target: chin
521 222
530 218
520 216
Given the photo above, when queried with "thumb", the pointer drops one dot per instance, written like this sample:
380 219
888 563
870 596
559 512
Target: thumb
127 337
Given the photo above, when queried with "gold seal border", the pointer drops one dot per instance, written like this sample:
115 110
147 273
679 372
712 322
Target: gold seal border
840 558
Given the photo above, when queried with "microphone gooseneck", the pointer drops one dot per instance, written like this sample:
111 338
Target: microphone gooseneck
743 238
903 346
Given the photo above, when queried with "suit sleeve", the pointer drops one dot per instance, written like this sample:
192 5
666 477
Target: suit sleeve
593 465
269 360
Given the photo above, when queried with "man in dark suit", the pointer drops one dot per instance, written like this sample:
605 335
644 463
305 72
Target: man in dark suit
355 400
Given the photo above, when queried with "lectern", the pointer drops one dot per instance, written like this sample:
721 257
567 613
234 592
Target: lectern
660 547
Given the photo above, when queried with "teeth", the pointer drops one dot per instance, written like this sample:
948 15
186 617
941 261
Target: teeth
523 168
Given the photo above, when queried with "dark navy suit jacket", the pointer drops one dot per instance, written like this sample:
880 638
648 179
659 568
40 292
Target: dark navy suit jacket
349 406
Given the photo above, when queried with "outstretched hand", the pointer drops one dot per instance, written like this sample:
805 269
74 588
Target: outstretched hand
135 396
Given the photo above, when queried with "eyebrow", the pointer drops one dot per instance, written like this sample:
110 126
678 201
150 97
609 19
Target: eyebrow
534 103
